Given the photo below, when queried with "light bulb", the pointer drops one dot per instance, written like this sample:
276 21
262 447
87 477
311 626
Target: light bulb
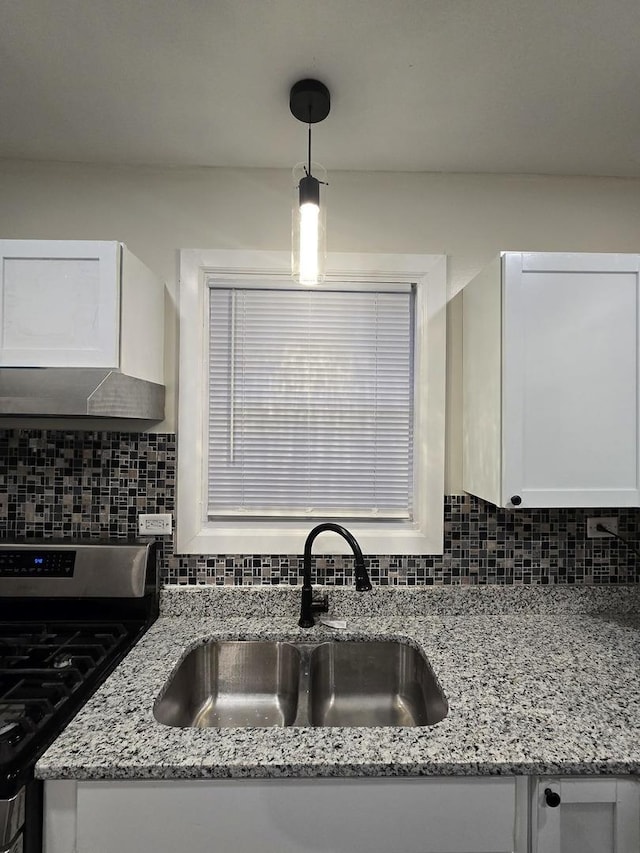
309 221
308 249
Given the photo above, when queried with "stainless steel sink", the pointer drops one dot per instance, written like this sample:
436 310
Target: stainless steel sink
373 684
233 684
263 683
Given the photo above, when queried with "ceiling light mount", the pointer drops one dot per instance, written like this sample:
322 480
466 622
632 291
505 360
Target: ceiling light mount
309 101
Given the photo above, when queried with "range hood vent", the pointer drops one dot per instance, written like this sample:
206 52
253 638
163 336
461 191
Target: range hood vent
78 392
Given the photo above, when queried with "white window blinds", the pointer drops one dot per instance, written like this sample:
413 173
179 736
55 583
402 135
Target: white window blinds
310 403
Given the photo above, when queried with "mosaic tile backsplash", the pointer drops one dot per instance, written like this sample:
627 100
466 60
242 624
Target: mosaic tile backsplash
77 484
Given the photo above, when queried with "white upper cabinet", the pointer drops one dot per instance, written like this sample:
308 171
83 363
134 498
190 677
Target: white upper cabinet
80 303
550 360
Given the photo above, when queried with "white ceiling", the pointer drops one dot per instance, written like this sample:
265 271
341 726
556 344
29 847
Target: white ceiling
529 86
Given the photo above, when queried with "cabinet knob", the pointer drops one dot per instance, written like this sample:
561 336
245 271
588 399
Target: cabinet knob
516 500
551 798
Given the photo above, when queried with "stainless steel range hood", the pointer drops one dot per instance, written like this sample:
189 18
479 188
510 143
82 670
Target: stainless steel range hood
78 391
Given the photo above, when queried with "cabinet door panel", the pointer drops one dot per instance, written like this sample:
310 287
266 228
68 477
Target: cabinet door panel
303 815
570 382
587 828
60 303
594 816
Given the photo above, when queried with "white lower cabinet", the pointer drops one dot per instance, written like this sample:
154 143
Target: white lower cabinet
585 815
428 815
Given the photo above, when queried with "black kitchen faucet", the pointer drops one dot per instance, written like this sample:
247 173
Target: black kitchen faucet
308 607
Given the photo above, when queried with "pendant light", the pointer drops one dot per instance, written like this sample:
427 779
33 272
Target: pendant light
309 102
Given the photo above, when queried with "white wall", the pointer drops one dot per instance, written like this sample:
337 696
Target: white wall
470 218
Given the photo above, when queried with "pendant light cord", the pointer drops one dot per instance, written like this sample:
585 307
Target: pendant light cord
308 170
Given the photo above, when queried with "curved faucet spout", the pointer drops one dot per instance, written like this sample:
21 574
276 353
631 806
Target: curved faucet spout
361 575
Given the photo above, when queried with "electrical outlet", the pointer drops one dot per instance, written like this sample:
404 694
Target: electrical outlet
592 525
155 525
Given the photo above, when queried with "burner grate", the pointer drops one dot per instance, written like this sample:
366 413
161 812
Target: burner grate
42 667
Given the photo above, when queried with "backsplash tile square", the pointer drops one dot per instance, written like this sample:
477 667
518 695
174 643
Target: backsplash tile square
77 484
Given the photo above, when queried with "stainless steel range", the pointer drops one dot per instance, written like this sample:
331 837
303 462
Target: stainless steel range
69 612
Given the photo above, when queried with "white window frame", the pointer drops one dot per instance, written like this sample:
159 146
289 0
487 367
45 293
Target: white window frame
195 534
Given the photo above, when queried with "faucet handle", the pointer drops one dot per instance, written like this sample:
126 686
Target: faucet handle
363 584
308 607
320 605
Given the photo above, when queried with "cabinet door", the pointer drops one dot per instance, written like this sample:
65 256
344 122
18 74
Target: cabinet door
592 816
275 815
59 303
570 379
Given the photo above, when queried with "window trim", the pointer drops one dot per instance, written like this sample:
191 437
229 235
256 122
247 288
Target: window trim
194 533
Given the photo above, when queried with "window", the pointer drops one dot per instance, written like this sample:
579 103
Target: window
310 401
301 404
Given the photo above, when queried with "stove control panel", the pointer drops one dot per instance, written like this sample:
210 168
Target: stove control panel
49 569
23 563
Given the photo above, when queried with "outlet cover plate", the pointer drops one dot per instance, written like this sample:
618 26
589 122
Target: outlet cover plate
158 524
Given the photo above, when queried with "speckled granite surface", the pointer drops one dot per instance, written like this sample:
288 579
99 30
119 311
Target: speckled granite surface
538 681
402 601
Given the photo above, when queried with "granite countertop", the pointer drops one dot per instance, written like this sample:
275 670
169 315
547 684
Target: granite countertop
539 680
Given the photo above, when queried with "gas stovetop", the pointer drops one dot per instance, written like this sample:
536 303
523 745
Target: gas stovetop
69 612
43 668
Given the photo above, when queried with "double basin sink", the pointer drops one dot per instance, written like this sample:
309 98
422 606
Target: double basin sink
274 683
